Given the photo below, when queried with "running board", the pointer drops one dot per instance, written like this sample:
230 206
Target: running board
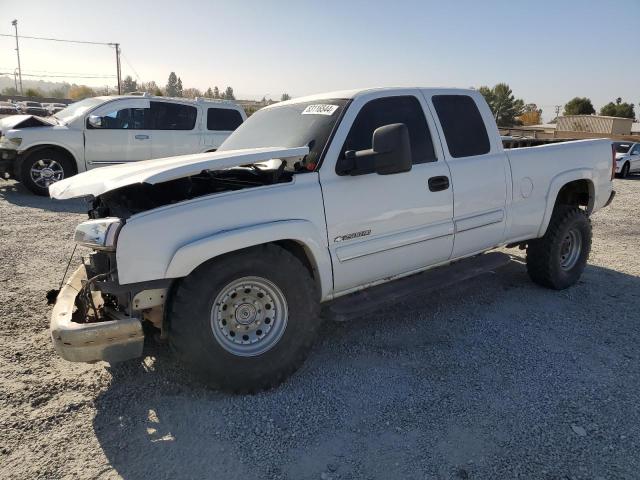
360 303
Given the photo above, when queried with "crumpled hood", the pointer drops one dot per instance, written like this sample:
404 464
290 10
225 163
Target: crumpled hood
24 121
100 180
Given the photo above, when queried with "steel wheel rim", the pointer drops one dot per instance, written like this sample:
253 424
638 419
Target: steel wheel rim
570 249
46 171
249 316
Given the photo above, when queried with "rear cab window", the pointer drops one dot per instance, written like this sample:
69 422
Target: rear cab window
172 116
224 119
462 125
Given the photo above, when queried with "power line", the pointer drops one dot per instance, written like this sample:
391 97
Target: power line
130 66
61 76
33 70
58 40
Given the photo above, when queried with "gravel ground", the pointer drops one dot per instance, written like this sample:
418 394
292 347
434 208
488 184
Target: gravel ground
494 378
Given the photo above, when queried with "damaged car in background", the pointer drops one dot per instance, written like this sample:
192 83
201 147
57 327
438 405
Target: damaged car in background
318 200
39 150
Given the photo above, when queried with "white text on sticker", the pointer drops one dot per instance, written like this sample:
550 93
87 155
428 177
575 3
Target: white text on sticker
320 110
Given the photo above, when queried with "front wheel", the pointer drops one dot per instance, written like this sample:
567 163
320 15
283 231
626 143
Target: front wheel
246 321
558 259
42 168
624 173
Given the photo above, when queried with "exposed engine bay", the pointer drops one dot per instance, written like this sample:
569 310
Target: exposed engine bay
131 199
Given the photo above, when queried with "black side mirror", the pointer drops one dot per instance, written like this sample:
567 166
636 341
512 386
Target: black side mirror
390 153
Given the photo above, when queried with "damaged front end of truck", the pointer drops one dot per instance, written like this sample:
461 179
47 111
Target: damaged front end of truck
96 316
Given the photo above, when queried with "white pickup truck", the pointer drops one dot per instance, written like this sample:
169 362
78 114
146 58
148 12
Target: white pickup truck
230 254
101 131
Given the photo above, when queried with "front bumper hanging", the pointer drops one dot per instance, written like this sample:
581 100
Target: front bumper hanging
115 340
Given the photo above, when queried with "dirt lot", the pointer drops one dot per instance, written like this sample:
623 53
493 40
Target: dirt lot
494 379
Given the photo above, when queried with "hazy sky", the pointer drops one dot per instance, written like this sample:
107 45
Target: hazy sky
548 51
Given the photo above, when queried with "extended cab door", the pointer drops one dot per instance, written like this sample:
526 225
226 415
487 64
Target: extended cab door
480 170
634 161
175 130
380 226
122 136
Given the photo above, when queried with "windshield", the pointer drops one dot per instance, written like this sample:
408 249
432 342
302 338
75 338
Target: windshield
32 104
78 108
622 147
294 125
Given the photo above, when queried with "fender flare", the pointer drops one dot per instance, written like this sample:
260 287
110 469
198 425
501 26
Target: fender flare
556 185
191 255
43 146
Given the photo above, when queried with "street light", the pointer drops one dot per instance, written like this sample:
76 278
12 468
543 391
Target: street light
15 24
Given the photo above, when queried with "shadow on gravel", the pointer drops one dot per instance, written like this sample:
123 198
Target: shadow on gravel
492 378
15 193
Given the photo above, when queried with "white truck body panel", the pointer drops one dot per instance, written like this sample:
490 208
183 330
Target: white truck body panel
357 230
97 182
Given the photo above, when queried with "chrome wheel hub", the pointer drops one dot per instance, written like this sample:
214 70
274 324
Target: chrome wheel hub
45 172
570 249
249 316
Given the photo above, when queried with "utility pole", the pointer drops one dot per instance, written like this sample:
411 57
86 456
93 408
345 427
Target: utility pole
15 78
558 111
117 45
15 24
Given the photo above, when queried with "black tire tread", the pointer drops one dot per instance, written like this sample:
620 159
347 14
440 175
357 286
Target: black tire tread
183 337
541 264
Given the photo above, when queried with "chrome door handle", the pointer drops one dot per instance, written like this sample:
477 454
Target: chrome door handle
142 137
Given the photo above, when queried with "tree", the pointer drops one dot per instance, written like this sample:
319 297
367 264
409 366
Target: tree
179 92
191 93
129 84
532 115
579 106
33 92
285 96
10 91
60 92
78 92
618 109
172 85
208 93
216 92
228 94
504 106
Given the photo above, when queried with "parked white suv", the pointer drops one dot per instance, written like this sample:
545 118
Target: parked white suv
102 131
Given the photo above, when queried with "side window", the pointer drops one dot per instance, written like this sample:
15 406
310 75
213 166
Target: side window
383 111
462 125
226 119
636 150
125 119
172 116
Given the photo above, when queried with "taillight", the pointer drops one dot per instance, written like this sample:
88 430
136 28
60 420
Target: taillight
613 161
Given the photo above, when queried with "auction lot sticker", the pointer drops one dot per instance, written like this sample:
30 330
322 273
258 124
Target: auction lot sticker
320 109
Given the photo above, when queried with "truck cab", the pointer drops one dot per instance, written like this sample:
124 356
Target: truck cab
101 131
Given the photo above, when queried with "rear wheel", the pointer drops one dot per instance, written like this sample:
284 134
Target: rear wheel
558 259
43 168
246 321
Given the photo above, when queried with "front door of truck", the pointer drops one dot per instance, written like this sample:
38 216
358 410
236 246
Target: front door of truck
118 133
380 226
634 153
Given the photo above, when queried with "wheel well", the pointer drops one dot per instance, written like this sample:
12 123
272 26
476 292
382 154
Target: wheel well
579 193
54 148
300 252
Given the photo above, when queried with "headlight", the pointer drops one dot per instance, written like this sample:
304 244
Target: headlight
101 234
10 142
